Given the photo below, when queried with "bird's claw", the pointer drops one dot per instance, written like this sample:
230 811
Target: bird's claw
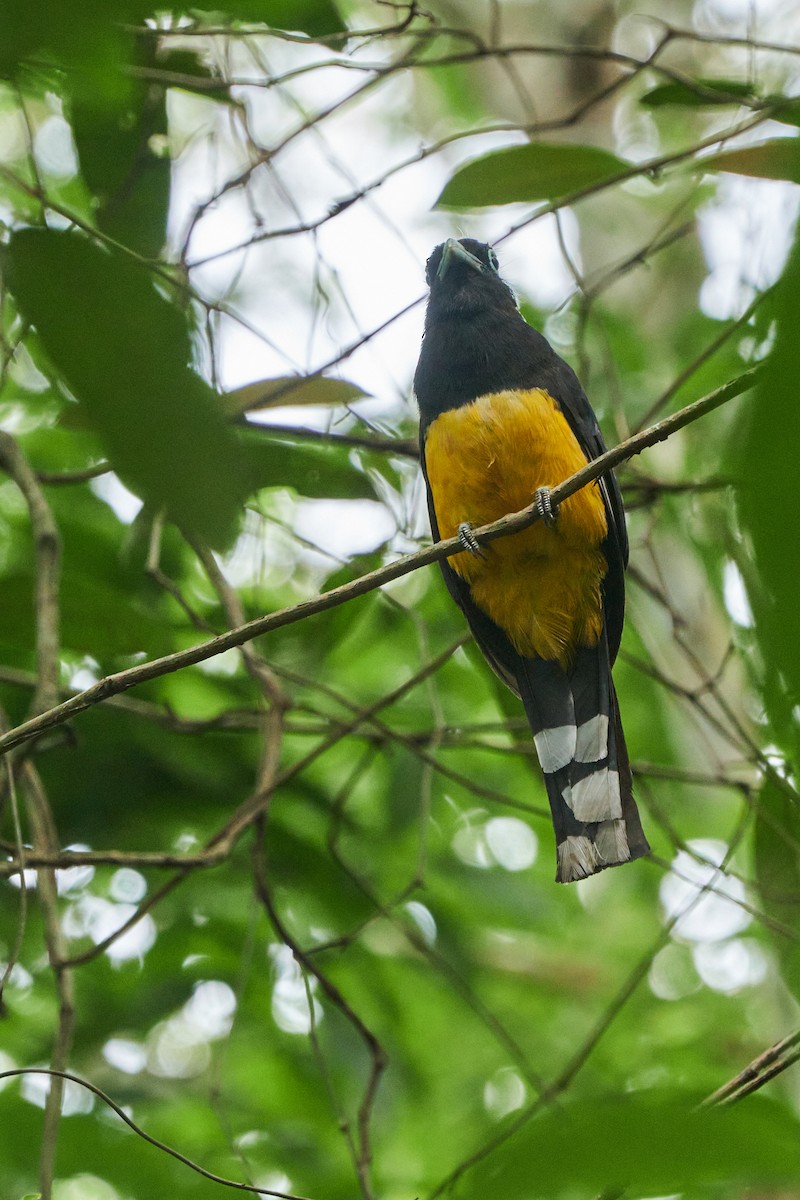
469 541
544 506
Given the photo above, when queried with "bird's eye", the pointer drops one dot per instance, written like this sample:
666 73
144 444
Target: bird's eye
432 266
493 263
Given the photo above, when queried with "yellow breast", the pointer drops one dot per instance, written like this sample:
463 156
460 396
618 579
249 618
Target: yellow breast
486 459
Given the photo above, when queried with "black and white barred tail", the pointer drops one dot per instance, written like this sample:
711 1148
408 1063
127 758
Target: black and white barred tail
578 734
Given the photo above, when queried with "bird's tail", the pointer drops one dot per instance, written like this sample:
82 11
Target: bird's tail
576 726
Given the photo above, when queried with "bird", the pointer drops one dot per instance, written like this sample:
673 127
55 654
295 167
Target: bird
503 419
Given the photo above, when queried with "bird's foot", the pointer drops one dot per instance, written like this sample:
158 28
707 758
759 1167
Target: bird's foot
544 506
469 541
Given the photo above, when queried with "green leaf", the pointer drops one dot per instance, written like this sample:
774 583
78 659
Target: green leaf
107 138
290 389
652 1143
159 421
778 158
684 95
119 141
317 18
88 32
89 36
131 182
765 450
540 171
137 216
787 112
777 862
319 471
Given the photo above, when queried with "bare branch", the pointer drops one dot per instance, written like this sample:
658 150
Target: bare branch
137 1129
45 840
772 1062
48 558
21 861
62 478
402 447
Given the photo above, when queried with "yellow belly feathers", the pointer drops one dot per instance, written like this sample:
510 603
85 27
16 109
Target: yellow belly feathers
541 586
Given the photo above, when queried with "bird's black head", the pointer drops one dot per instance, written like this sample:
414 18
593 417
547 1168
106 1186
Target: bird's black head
464 281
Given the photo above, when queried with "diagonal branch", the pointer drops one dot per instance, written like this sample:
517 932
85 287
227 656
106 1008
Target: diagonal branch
112 685
769 1064
124 1116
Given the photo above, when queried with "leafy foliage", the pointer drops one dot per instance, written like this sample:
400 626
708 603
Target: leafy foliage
775 159
66 285
541 171
625 1140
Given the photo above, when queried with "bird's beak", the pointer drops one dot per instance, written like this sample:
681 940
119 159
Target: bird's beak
454 252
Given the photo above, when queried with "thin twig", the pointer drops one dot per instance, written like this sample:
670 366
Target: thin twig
45 839
377 1055
47 544
153 1141
402 447
160 578
62 478
582 1054
272 718
22 863
218 848
761 1070
418 746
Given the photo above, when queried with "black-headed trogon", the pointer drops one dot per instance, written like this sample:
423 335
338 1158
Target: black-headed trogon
503 420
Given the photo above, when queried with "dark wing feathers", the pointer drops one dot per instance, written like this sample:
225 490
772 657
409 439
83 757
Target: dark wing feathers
542 367
563 385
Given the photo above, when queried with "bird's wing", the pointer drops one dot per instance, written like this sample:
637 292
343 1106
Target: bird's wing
563 385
